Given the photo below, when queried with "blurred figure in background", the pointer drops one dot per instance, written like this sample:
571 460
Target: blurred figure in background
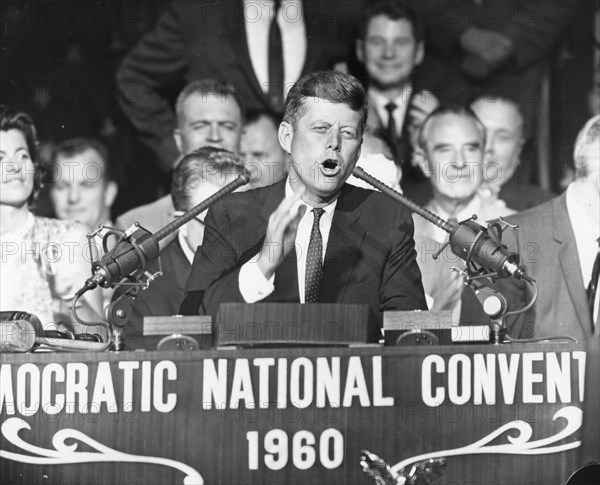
376 159
82 188
208 114
198 175
260 149
261 48
81 183
391 46
43 260
451 148
505 136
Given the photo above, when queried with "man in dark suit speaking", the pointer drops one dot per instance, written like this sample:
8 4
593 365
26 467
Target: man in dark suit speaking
311 237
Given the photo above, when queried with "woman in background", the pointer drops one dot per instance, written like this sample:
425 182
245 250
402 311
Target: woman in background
43 261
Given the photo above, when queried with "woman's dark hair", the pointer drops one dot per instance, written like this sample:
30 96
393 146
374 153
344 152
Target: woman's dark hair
11 119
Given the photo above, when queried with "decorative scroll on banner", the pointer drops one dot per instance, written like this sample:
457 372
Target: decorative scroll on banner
299 415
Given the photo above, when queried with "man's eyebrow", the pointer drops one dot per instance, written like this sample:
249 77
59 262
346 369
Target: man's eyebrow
441 145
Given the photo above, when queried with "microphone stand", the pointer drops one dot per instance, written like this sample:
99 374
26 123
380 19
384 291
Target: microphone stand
128 259
486 257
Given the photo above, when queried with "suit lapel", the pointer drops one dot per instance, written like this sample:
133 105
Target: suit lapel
343 248
569 260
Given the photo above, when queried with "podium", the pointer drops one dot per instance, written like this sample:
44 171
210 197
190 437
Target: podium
498 414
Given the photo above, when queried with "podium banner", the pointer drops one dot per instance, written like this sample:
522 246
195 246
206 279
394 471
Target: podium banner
494 414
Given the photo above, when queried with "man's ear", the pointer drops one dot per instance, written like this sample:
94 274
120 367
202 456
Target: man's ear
178 139
110 193
419 53
286 135
360 54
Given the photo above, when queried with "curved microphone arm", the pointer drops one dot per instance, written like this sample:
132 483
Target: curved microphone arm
470 241
134 250
405 201
131 254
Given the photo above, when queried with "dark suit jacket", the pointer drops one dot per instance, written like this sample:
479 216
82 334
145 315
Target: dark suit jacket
164 295
370 255
202 39
549 253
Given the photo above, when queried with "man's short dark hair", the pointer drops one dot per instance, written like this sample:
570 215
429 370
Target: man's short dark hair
204 88
393 10
206 164
331 86
446 110
77 146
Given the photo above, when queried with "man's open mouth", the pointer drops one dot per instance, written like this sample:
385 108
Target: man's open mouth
330 167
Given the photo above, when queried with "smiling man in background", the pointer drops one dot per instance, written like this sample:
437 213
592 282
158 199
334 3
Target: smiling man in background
82 187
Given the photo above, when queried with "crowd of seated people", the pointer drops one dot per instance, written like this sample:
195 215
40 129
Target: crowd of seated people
456 159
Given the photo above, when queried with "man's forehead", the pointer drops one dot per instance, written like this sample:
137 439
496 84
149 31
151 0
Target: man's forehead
319 109
200 106
449 125
499 114
399 26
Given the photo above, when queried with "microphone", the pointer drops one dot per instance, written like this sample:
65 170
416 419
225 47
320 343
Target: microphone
19 331
468 240
129 257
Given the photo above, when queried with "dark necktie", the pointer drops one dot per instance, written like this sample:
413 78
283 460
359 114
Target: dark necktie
314 261
276 62
391 126
593 286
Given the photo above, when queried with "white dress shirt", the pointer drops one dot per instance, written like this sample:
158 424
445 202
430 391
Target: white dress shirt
187 250
253 284
290 18
586 228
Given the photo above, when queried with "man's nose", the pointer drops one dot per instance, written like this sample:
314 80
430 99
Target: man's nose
389 52
459 159
334 139
215 132
74 194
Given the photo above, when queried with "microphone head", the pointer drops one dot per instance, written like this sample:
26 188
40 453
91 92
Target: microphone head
473 243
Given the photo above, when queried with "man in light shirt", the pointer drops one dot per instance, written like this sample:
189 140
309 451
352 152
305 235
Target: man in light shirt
451 150
559 242
311 237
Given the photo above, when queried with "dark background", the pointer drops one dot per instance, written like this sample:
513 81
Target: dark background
58 61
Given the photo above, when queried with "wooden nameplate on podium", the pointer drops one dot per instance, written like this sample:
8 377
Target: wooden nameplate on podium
178 333
282 324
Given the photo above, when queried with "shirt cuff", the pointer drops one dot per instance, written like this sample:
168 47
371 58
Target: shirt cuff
254 286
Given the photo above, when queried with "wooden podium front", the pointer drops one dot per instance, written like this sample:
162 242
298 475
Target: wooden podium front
499 414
